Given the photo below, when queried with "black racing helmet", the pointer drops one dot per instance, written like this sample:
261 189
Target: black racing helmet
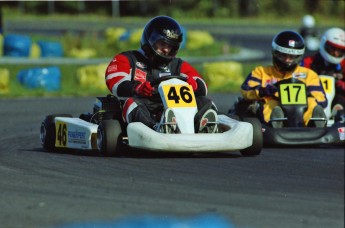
287 43
161 28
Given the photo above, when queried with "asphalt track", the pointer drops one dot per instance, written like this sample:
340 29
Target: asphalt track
282 187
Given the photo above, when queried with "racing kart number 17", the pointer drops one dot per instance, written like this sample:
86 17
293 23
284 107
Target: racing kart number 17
293 94
178 96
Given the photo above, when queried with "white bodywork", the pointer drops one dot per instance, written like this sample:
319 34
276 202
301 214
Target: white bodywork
240 136
328 83
177 95
76 135
184 115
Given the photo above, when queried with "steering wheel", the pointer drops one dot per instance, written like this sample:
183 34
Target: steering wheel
156 82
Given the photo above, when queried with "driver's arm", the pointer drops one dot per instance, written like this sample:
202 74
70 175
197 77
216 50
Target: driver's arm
250 87
314 87
189 71
118 77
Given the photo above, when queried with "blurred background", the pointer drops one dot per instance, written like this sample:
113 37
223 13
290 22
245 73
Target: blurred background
184 8
51 47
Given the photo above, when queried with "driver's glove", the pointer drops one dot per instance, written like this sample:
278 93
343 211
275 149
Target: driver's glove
193 83
340 86
268 91
144 89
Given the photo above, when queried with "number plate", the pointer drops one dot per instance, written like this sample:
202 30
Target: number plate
293 94
327 84
177 96
61 134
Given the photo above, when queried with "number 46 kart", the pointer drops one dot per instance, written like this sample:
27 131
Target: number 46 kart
105 132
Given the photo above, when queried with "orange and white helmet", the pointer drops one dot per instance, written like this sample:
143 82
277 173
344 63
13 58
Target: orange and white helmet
333 38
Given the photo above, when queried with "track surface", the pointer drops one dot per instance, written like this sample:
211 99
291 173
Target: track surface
292 187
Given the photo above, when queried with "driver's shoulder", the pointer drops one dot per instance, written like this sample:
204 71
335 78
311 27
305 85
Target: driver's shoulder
308 71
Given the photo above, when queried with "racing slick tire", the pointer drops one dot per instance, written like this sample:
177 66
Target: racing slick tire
255 148
109 137
48 132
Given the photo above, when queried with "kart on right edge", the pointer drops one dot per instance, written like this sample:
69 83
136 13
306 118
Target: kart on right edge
293 101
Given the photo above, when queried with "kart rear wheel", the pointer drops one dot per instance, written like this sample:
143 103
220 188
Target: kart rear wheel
255 148
48 133
109 137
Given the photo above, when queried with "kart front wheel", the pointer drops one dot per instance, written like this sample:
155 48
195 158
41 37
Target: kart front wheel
255 148
109 137
48 133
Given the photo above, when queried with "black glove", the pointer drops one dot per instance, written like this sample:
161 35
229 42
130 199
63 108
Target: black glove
268 91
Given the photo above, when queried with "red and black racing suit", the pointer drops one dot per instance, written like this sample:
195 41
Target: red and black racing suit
322 67
128 69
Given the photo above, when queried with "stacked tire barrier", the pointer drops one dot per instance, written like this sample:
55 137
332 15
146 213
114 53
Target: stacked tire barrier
50 49
1 44
4 80
23 46
220 75
92 76
47 78
17 45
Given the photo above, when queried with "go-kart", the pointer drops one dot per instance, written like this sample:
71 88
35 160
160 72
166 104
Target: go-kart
328 83
293 101
105 132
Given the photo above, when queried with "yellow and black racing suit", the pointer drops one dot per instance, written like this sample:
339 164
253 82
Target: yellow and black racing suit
261 76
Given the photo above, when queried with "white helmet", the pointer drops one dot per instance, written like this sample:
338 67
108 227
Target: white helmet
308 21
332 38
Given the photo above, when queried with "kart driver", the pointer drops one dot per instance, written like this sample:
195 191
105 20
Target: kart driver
130 74
330 61
287 52
310 34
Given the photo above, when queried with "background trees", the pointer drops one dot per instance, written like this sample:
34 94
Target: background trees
187 8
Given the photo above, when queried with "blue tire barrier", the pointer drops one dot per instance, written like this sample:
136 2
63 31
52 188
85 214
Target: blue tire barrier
184 40
48 78
17 45
125 36
50 49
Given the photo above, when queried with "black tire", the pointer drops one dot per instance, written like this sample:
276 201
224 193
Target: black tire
109 137
48 133
255 148
233 116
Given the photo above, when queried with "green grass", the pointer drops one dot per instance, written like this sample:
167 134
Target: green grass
71 87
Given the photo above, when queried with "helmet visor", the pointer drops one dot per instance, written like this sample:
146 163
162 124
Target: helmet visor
287 59
163 46
334 50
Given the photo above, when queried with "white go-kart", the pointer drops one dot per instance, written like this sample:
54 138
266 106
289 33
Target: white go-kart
104 131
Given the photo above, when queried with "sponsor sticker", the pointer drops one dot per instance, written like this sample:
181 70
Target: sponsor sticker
299 75
164 74
76 137
140 75
292 43
112 68
170 33
341 132
140 64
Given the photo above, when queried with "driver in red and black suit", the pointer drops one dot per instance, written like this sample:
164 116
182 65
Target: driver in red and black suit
130 74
